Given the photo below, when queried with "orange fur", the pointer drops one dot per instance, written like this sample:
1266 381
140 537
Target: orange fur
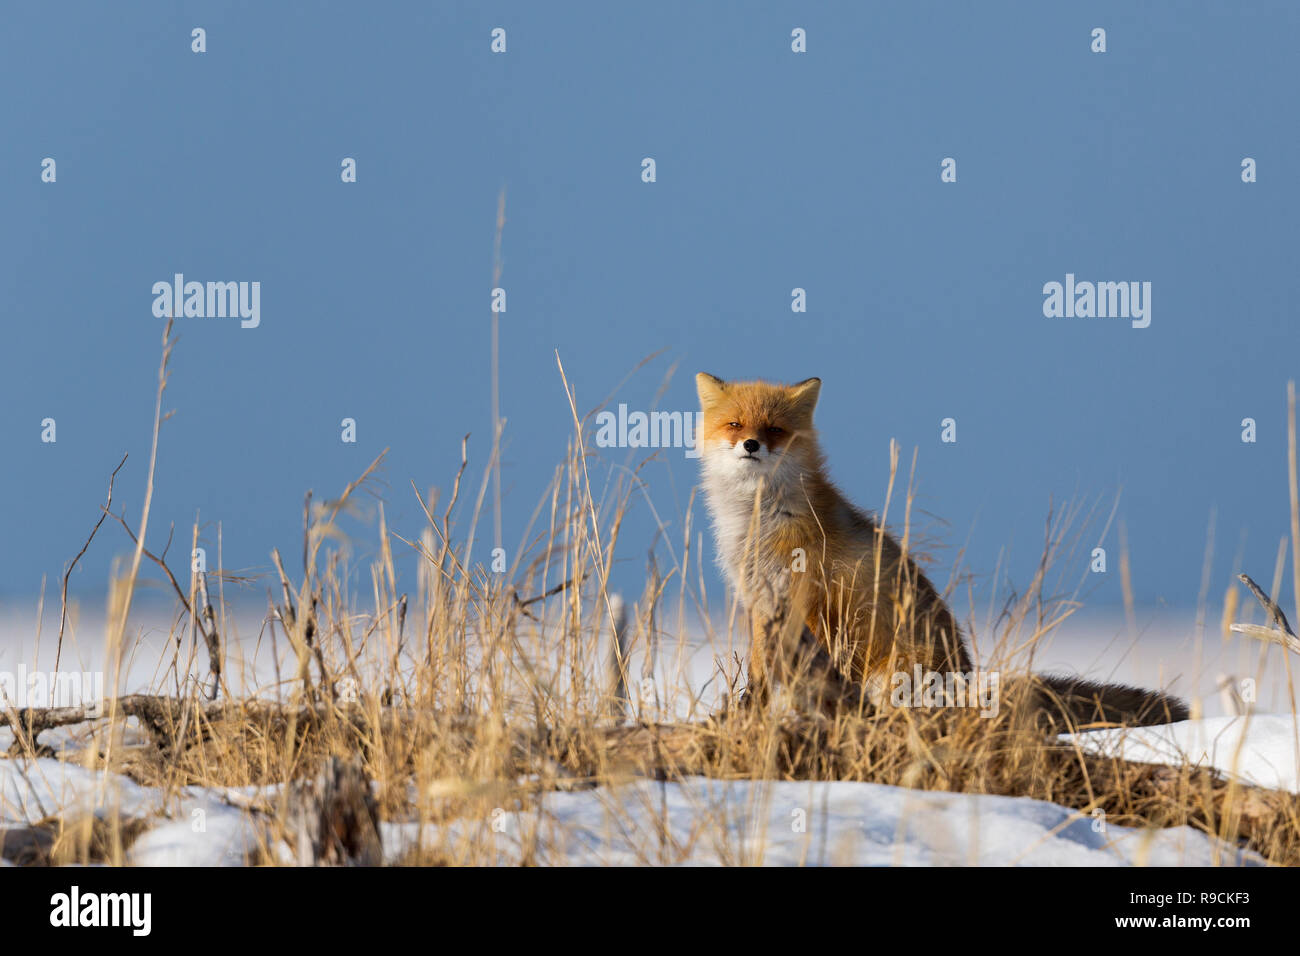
784 532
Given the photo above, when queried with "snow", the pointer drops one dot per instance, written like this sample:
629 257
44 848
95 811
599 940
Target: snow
207 833
1260 749
31 790
196 827
710 822
700 821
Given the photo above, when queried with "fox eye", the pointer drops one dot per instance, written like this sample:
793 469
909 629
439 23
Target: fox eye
733 424
775 430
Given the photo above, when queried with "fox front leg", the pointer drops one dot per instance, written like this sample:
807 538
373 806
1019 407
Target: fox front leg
758 684
768 604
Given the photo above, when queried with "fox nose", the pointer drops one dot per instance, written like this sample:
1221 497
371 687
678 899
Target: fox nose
751 445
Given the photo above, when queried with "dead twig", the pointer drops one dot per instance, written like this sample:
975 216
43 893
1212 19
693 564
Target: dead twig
63 598
1280 633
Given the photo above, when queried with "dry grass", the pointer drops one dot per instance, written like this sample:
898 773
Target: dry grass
480 691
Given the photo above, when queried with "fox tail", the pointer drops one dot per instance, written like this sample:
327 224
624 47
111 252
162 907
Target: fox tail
1071 703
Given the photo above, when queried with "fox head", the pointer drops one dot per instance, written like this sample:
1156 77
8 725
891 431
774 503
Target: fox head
752 431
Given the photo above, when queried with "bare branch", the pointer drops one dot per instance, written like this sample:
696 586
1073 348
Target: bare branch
1274 612
63 598
1280 633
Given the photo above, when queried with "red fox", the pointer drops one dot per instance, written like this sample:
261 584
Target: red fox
858 607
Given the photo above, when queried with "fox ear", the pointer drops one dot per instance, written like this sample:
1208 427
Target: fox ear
710 388
805 393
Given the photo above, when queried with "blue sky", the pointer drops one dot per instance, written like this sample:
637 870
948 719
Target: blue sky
775 170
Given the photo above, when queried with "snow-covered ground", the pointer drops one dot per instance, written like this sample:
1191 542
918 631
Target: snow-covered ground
708 822
693 822
199 827
1260 749
699 821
